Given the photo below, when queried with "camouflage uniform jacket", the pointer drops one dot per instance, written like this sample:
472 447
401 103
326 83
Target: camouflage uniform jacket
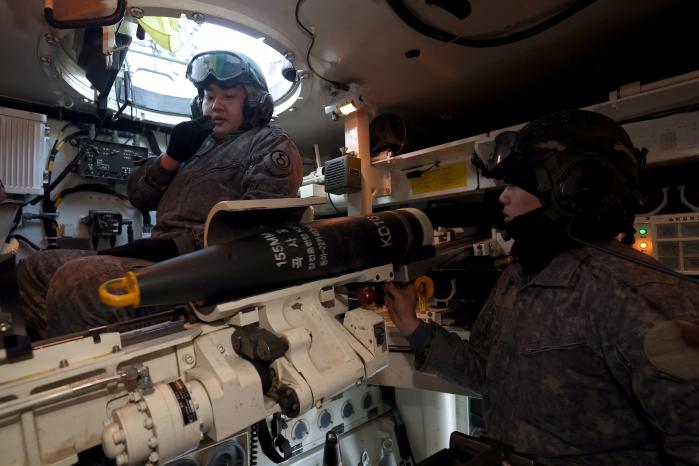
258 163
595 360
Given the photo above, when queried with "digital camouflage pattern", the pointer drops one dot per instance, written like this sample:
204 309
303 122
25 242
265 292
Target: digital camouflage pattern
561 362
236 167
58 289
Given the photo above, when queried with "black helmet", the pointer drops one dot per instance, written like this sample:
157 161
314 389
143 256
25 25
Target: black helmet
577 160
228 69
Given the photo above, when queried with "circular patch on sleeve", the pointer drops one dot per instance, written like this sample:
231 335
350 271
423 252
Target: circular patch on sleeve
278 163
672 347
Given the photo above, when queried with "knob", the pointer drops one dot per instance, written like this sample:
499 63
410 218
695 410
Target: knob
347 410
325 419
367 296
299 431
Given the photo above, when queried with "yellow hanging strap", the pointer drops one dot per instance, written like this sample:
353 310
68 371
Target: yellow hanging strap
127 291
424 286
164 31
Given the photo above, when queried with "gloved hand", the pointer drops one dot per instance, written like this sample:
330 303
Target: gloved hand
186 137
401 303
152 249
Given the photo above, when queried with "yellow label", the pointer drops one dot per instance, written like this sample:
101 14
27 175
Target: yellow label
440 179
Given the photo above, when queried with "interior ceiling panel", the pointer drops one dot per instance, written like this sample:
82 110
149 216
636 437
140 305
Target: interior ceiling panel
449 90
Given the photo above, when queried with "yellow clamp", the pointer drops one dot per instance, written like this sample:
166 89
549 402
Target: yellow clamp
129 284
424 286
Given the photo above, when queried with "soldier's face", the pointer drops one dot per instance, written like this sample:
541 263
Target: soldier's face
225 107
517 202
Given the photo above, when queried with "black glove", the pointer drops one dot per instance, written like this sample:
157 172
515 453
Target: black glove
187 136
151 249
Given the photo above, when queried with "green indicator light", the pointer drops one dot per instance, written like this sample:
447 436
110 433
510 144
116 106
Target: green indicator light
643 231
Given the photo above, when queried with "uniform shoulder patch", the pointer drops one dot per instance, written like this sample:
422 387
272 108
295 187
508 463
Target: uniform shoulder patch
278 163
672 347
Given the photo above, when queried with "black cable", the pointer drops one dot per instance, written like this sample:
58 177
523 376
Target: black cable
129 231
127 101
48 206
70 123
91 187
50 226
147 221
74 135
126 97
117 91
27 241
404 449
18 218
419 173
152 141
133 97
337 84
425 29
333 204
116 31
68 168
52 156
626 257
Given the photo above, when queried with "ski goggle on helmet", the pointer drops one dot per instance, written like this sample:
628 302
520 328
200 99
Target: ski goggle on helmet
504 156
225 68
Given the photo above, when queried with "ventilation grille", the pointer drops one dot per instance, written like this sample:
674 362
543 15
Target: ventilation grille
22 151
343 175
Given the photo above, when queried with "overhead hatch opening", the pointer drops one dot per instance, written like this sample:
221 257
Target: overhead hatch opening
152 77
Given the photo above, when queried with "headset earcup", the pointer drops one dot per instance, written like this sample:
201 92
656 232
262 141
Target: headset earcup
260 113
195 107
586 187
265 108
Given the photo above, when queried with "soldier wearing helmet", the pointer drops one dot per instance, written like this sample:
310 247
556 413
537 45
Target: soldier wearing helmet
581 355
226 70
229 151
584 171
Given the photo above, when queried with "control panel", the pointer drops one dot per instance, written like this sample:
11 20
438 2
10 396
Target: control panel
341 413
229 452
108 160
348 411
672 239
370 443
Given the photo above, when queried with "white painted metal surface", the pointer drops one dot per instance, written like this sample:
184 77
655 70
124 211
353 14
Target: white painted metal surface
219 392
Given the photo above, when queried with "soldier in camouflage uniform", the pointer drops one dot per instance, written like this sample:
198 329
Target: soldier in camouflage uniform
232 152
581 356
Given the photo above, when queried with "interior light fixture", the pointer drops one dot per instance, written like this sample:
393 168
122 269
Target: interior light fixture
345 103
349 107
